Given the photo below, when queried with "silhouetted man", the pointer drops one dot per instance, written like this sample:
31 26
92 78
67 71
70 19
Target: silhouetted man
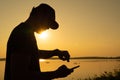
22 58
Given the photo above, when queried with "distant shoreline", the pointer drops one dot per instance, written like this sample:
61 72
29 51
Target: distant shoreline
95 57
3 59
92 58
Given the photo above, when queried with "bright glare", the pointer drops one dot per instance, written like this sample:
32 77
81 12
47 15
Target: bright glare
41 60
43 35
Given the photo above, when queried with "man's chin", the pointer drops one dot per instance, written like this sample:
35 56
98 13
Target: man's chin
39 32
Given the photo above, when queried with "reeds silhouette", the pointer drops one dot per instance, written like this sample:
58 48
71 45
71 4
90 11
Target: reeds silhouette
115 75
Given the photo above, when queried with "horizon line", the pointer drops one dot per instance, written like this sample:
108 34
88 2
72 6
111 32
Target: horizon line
84 57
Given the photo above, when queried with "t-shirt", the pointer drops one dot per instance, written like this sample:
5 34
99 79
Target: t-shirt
22 62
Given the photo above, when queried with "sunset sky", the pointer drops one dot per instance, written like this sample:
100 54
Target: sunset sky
87 27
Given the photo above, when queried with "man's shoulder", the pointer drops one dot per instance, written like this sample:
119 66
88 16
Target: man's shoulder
19 27
22 28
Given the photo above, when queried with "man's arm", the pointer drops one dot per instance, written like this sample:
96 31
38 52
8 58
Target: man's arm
61 72
44 54
63 55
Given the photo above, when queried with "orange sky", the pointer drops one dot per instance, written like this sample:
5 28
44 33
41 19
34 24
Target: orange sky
87 27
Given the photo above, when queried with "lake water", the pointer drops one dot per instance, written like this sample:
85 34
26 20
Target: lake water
88 67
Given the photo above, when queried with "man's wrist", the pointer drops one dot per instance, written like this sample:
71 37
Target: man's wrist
56 52
54 75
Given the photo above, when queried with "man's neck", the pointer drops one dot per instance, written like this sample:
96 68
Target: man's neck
31 23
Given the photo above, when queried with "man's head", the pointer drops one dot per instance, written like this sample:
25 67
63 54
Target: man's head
44 15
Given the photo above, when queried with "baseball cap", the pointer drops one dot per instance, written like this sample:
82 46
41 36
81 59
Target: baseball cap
47 11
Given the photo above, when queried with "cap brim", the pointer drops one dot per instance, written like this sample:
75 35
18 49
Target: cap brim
54 25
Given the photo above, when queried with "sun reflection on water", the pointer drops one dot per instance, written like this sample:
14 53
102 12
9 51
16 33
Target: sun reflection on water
41 60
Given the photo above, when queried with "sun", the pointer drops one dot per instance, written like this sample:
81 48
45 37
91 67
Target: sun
43 35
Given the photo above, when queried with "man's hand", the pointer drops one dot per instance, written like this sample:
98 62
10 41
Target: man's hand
63 71
63 55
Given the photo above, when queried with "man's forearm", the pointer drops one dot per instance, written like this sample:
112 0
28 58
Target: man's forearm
50 75
46 54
